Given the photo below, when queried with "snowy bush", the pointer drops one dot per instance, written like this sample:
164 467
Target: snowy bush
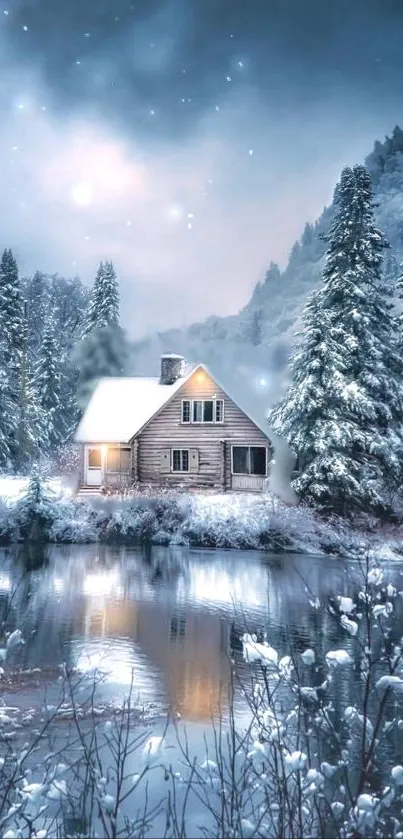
39 510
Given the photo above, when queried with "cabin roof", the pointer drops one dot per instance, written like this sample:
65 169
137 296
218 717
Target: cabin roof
120 407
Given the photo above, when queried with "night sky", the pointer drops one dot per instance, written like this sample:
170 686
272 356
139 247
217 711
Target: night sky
189 141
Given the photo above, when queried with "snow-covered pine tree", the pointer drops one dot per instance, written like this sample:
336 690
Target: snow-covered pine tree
103 350
8 415
11 335
29 433
342 414
11 316
103 309
48 385
399 283
38 300
390 271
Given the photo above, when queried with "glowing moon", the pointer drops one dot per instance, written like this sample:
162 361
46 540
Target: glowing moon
82 194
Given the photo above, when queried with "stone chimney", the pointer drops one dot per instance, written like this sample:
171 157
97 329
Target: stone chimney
171 368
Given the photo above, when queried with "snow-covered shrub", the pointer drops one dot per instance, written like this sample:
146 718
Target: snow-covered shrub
36 510
41 510
307 762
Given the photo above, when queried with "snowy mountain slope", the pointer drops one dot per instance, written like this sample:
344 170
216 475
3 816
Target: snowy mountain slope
248 351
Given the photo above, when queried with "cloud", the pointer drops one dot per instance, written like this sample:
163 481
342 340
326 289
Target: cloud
132 144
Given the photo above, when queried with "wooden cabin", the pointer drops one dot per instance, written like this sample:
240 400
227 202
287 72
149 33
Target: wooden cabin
181 430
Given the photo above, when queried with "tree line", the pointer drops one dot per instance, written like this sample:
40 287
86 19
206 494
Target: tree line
56 339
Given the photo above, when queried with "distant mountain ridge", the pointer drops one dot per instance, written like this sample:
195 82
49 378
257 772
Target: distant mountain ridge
249 350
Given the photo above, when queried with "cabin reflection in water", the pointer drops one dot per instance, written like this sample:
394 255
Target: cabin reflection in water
191 652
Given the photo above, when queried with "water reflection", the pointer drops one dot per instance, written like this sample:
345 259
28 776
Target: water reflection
173 617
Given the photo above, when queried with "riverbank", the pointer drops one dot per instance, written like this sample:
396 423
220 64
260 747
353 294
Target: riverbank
46 512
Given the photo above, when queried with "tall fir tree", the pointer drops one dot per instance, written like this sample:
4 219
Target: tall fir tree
103 350
12 342
49 384
11 317
38 299
342 414
29 434
8 415
103 309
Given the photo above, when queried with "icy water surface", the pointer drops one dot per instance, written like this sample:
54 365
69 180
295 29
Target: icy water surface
173 617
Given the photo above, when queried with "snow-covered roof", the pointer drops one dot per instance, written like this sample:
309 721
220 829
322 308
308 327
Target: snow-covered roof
119 408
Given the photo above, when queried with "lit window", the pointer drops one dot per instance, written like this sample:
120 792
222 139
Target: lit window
94 459
180 460
249 460
117 460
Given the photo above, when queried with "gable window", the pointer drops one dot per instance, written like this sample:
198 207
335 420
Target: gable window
180 460
197 414
219 410
208 411
249 460
185 410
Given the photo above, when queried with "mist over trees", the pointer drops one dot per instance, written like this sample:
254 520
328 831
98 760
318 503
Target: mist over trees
103 350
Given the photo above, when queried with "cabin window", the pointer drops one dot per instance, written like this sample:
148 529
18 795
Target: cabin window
117 460
197 415
249 460
180 460
207 411
219 410
186 410
94 459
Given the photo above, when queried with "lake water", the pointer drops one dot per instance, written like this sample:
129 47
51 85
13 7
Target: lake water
172 618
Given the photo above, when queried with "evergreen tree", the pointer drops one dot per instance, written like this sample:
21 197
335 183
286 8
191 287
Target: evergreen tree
8 415
342 414
38 299
399 283
11 318
254 333
29 434
48 383
390 271
103 310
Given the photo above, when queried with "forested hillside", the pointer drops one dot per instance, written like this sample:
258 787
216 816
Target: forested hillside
249 349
